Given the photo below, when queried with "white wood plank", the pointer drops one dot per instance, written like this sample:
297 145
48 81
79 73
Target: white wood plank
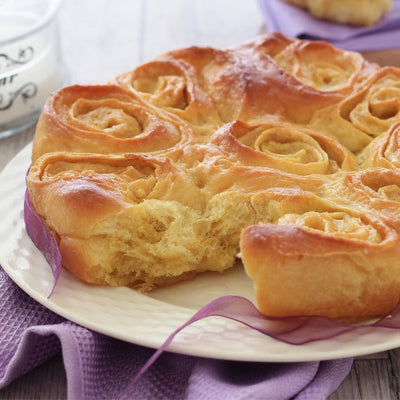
100 38
177 23
13 144
225 23
168 25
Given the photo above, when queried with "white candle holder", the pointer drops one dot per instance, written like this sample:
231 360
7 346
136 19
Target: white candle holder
30 61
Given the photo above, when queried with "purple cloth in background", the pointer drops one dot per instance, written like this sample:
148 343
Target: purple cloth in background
296 22
100 367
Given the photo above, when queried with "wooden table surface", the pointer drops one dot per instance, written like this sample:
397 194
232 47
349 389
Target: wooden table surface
100 39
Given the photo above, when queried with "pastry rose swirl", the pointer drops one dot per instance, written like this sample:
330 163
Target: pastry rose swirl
377 107
365 115
323 67
283 147
173 84
384 150
281 150
377 188
103 119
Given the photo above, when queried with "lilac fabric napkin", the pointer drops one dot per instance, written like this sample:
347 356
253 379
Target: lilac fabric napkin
296 22
99 367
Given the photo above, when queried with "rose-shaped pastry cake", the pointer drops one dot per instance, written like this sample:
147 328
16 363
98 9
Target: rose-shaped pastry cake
282 151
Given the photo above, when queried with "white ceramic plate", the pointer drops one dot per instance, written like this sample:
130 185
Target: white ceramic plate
149 319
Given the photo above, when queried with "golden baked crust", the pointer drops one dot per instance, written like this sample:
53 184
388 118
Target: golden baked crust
354 12
283 150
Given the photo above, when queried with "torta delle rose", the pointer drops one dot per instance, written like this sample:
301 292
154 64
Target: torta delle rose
286 152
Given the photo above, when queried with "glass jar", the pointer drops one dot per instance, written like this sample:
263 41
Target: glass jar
31 65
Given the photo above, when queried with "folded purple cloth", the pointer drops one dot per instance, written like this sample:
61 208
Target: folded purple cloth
296 22
99 367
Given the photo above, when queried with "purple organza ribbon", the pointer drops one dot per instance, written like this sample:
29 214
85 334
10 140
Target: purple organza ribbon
293 330
42 239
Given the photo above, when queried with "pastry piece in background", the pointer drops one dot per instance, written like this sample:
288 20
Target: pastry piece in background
354 12
377 43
